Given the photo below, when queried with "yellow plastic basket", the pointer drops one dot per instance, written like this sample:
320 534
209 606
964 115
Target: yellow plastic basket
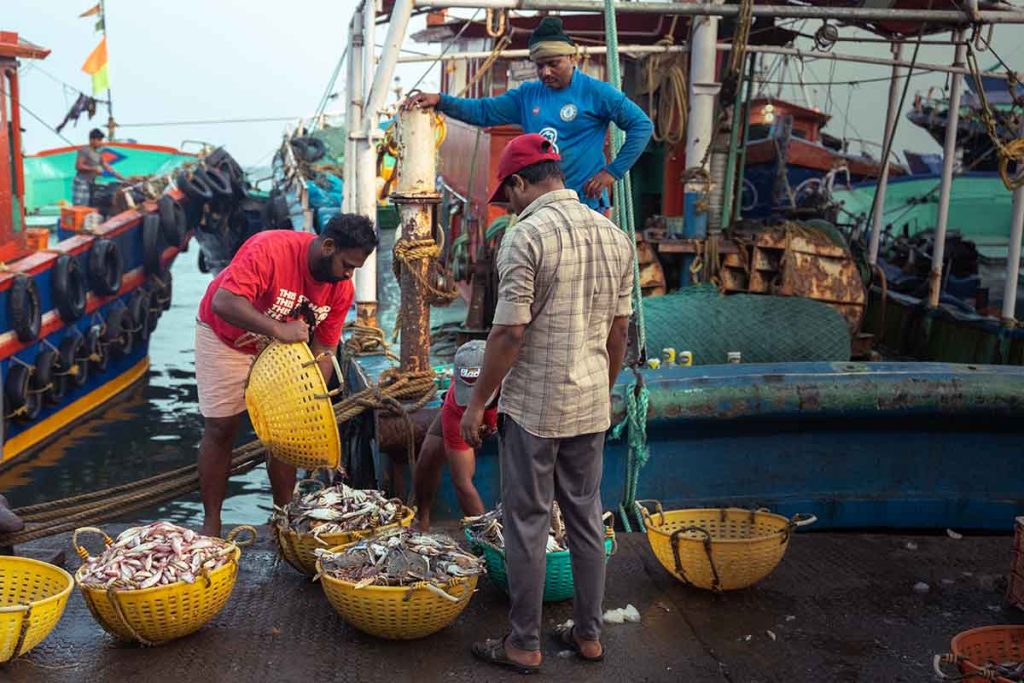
719 549
33 595
398 612
297 549
290 407
152 616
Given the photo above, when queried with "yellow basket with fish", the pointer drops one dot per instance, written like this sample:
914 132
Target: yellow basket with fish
152 616
397 612
290 407
33 595
719 549
298 548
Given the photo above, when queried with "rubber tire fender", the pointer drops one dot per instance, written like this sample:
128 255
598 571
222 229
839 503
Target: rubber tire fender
69 290
94 346
138 308
118 335
26 313
17 392
217 180
44 380
152 246
173 224
194 186
105 267
73 354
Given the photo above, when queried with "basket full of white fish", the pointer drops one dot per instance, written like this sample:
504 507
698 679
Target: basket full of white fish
399 584
485 536
158 582
329 516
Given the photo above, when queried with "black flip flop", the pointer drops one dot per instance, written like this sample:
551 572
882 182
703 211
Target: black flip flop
492 651
563 634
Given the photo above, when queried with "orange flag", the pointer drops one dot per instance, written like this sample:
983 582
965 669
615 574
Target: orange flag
97 59
95 9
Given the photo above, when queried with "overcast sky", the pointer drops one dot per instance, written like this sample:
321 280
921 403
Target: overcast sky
191 60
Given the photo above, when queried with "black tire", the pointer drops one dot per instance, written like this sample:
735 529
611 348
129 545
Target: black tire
204 267
105 267
138 308
194 187
21 403
173 224
74 361
26 314
309 149
162 291
152 246
217 181
44 379
119 335
96 350
69 288
275 211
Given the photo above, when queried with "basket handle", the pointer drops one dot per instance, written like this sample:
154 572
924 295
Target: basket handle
939 660
641 506
437 590
799 520
676 536
82 552
26 621
237 531
337 372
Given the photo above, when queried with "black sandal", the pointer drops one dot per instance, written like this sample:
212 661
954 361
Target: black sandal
492 651
564 635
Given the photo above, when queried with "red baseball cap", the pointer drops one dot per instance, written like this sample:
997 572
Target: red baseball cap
523 151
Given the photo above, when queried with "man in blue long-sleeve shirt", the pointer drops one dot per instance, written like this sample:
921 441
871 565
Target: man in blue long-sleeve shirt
566 106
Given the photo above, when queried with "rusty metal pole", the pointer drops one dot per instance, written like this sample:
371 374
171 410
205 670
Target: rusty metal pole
417 197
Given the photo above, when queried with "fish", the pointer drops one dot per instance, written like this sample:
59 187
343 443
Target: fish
158 554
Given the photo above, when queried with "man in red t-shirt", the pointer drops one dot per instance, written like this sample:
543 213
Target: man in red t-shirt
444 440
283 285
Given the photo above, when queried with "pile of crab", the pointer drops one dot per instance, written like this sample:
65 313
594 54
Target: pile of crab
486 528
338 509
400 558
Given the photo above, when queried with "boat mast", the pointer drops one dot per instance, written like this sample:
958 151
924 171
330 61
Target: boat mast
111 124
883 179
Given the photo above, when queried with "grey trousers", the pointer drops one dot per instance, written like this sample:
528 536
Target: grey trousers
535 470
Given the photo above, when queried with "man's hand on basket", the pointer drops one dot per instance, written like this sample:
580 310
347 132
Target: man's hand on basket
291 331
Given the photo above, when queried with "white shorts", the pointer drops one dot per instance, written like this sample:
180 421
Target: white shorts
221 372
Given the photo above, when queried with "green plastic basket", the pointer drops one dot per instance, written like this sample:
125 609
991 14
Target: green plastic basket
558 583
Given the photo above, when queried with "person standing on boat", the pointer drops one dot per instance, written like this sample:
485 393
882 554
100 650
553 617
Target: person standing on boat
444 440
88 166
565 275
283 285
568 107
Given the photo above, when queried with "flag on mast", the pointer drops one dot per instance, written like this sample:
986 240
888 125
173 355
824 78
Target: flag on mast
96 66
92 11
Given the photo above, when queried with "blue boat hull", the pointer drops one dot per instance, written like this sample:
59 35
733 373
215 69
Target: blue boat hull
883 445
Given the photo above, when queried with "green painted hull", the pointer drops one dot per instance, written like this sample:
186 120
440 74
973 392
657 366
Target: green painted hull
49 173
980 207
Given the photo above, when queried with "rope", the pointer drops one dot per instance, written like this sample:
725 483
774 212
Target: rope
407 252
486 65
666 75
1012 151
635 424
367 339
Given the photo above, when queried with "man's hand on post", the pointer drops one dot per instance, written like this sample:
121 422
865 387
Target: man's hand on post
421 100
598 184
292 331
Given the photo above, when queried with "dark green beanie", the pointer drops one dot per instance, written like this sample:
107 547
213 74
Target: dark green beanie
549 29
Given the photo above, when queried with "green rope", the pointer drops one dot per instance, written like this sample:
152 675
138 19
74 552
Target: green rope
636 394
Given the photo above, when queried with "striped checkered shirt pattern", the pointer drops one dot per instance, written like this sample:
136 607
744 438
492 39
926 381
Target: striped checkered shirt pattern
565 271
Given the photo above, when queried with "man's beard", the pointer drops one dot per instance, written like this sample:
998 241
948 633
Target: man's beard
321 271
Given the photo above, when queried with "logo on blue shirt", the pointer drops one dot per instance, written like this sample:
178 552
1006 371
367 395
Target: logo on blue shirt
552 136
568 112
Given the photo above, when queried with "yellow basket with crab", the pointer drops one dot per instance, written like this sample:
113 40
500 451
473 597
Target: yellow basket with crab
719 549
152 616
33 595
290 408
298 548
397 612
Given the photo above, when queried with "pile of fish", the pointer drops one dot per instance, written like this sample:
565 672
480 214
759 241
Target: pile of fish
338 509
486 528
158 554
399 558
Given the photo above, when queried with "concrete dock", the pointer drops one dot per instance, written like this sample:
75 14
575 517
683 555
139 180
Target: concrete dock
841 607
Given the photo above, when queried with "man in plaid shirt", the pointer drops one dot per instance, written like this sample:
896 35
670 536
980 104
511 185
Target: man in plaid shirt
559 336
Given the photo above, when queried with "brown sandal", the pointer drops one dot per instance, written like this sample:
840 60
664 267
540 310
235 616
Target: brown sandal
492 651
564 635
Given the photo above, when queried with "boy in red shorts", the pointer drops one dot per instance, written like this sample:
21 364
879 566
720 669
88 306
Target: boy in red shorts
445 442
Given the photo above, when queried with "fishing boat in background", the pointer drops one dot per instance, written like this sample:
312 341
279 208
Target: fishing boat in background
76 307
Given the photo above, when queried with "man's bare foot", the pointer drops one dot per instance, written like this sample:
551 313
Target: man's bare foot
421 523
210 528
